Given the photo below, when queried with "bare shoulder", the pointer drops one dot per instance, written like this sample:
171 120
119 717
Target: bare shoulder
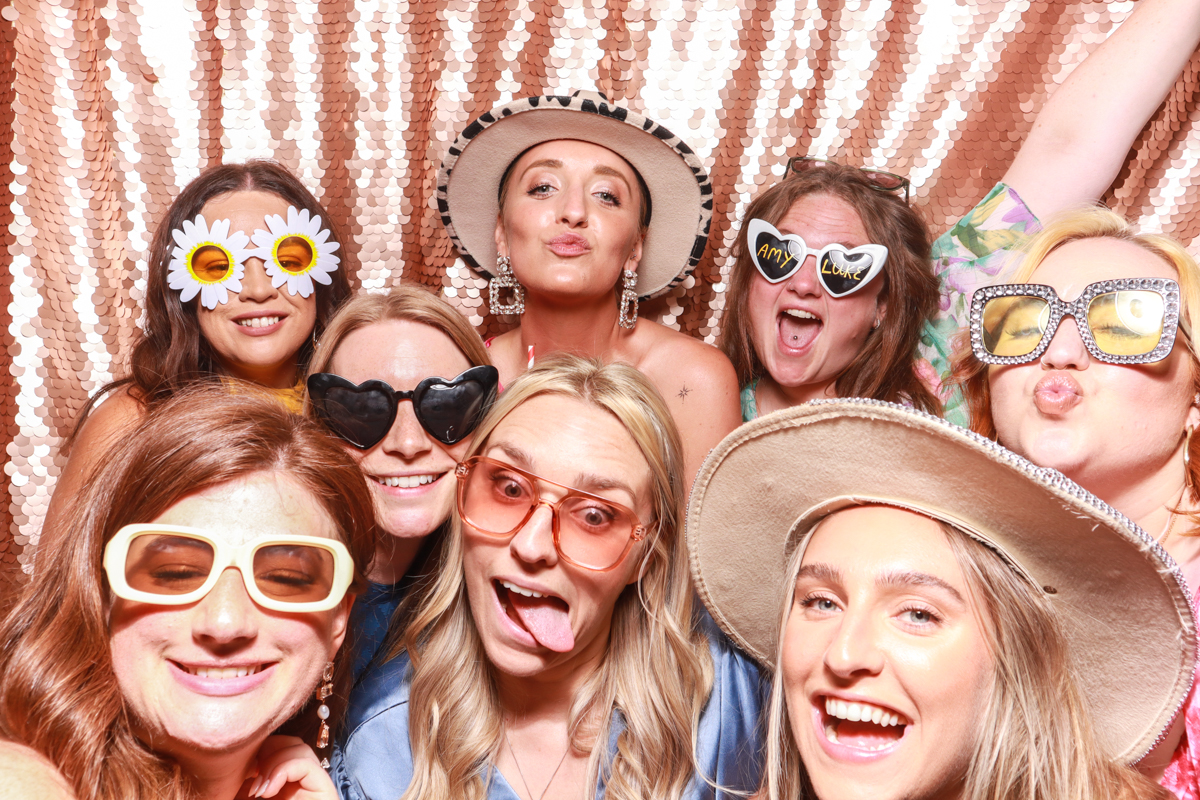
118 413
115 417
27 773
675 357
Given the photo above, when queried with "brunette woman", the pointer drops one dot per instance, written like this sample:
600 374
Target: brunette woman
244 273
832 294
192 607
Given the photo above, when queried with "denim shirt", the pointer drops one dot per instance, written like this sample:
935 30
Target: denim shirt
373 759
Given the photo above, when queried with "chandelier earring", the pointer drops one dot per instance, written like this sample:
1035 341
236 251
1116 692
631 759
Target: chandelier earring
629 301
324 690
503 280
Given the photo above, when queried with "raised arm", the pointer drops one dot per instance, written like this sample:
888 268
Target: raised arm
1082 135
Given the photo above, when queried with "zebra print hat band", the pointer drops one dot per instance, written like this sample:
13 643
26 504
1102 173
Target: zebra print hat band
680 191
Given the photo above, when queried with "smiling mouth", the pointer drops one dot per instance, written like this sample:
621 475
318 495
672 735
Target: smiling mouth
258 322
221 673
545 617
863 726
797 328
406 481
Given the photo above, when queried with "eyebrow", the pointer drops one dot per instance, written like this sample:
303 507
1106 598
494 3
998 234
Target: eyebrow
584 482
602 169
891 580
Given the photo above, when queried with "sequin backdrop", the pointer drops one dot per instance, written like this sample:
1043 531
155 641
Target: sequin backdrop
110 107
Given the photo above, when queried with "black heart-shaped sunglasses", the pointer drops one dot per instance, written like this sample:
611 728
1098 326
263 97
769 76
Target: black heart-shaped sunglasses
362 414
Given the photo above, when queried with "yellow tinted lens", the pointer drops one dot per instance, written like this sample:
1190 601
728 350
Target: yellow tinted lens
294 573
294 255
210 263
1013 326
161 563
1128 323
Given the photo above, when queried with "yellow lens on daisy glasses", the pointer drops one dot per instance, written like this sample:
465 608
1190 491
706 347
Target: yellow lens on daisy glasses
294 254
209 263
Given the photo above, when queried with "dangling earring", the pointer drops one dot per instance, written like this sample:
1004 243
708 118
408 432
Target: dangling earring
504 280
323 691
627 318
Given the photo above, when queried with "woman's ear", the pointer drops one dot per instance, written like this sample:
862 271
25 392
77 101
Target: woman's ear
1193 415
635 255
340 623
501 239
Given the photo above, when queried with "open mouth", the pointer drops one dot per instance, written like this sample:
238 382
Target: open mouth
258 322
405 481
797 328
543 616
222 673
862 726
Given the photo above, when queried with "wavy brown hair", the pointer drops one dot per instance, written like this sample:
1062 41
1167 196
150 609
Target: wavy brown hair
58 692
657 669
1036 738
884 368
171 351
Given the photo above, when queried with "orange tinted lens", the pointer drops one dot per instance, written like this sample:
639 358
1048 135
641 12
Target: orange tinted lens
495 499
160 563
294 255
294 573
593 533
210 264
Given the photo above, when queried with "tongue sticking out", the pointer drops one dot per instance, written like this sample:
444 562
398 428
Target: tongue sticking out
546 618
797 333
867 735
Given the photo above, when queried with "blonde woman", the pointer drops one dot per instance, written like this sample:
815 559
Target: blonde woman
965 640
402 379
1109 396
557 655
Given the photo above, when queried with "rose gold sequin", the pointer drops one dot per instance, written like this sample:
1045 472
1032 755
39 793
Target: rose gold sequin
109 108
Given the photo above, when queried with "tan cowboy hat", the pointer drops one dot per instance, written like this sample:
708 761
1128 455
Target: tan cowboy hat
680 191
1120 599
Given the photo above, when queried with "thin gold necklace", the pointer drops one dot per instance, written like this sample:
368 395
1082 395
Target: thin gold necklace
520 773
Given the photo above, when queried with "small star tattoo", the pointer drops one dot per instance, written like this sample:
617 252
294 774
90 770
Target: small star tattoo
683 393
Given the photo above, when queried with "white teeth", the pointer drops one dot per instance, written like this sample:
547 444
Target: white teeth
797 313
861 712
258 322
512 587
223 673
406 481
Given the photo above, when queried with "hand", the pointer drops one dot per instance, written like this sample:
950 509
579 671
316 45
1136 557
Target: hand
288 769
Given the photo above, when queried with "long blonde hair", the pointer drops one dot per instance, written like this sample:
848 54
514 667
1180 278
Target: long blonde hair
657 671
1035 739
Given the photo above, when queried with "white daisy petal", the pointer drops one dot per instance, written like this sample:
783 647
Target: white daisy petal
194 235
